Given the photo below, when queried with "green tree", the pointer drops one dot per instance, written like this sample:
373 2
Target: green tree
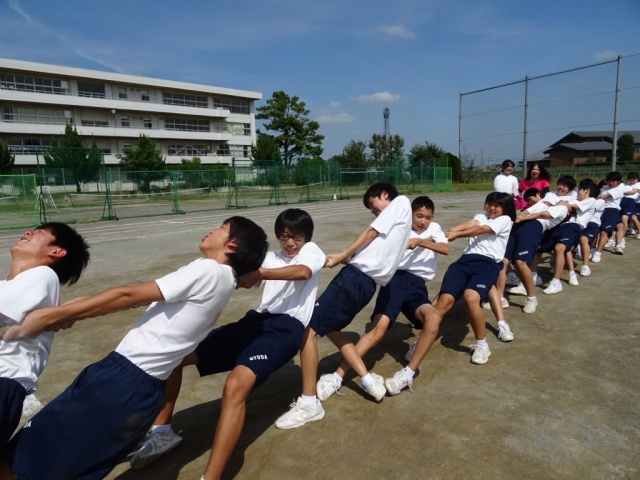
626 148
7 159
266 151
297 135
309 171
144 161
384 151
424 155
354 155
68 153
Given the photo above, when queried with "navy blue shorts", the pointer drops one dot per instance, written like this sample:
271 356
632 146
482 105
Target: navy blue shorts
405 293
637 211
609 220
523 244
90 427
12 396
262 342
471 271
627 206
567 234
347 294
591 231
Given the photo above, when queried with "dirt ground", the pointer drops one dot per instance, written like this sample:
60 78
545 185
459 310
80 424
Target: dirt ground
559 402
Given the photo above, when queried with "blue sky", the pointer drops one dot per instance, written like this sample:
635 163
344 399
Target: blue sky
349 59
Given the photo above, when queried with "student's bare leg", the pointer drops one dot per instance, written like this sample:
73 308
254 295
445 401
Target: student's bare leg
172 390
431 320
239 384
619 233
348 352
558 267
309 362
636 223
585 250
443 303
502 279
568 258
602 241
526 277
369 340
5 471
475 313
495 300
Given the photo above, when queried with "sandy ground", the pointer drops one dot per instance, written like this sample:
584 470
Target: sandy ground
559 402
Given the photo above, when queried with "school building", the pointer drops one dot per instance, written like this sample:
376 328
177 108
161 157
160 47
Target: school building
184 120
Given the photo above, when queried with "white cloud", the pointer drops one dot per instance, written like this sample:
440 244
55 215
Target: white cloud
334 104
336 118
378 97
605 55
399 31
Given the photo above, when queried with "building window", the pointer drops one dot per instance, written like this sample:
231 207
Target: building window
126 145
124 121
188 150
122 93
43 116
239 151
247 128
234 128
95 123
187 124
22 83
234 105
145 95
223 150
147 122
26 146
185 100
92 90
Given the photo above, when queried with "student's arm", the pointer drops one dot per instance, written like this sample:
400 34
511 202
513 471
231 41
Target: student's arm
441 248
605 196
365 238
534 216
633 191
291 272
463 226
110 301
469 232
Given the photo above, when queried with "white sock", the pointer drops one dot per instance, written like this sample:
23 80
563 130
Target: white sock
502 323
482 342
309 400
555 281
572 273
367 380
535 276
161 428
338 378
409 373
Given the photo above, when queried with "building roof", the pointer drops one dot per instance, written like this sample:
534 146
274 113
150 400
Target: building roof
583 147
119 77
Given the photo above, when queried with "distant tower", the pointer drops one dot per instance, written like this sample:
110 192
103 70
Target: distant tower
385 113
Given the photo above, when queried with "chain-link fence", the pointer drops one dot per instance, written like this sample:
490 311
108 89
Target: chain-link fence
19 205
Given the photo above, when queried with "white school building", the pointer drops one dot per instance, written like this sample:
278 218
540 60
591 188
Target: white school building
184 120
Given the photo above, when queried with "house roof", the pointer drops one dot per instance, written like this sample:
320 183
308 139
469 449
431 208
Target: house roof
583 147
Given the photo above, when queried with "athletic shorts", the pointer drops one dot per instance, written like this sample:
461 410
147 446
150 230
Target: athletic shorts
591 231
523 244
609 220
262 342
471 271
347 294
90 427
12 396
405 293
567 234
627 207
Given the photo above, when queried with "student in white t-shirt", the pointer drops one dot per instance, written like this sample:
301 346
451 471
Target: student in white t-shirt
474 274
42 259
106 412
372 258
610 221
255 346
406 293
628 205
505 182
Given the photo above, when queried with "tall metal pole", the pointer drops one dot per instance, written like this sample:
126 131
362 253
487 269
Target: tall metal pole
614 140
460 130
526 126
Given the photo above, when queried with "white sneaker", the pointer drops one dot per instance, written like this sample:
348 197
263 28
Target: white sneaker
619 249
632 231
504 333
299 414
487 305
409 355
585 271
596 257
398 382
519 290
480 354
573 280
623 243
327 386
377 389
512 279
530 305
553 288
638 237
154 446
538 281
610 243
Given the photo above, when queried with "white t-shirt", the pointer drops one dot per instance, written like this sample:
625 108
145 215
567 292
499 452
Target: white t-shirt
24 360
597 213
554 198
584 211
420 261
506 184
380 259
616 195
293 297
494 244
634 196
194 297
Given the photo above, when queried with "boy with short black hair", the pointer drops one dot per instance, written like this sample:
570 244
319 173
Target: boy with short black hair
372 258
610 221
120 396
42 259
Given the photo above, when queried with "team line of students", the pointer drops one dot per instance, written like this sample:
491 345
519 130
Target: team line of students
135 387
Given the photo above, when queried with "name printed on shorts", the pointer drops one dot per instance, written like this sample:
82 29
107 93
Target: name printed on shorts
523 253
259 357
480 285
